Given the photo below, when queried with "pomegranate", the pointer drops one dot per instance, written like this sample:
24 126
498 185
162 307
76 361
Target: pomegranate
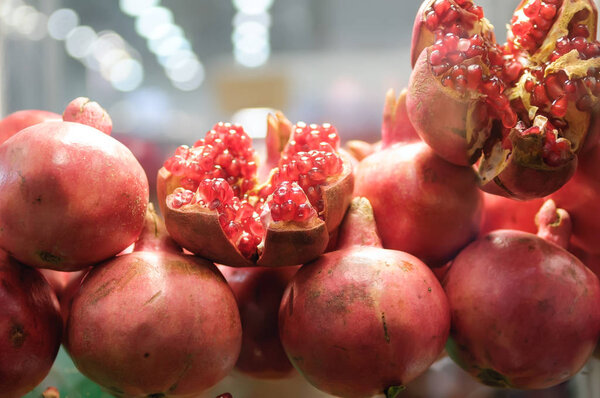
520 111
83 110
423 205
59 280
580 198
524 310
71 196
258 292
363 320
19 120
214 206
500 212
30 327
155 322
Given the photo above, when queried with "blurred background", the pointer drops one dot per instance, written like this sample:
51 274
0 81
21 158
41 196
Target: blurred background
168 70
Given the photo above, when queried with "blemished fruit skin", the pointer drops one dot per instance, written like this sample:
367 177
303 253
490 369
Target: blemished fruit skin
154 323
72 196
362 319
30 328
525 312
423 205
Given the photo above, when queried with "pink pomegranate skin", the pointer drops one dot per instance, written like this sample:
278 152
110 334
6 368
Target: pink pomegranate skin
524 311
360 320
83 110
500 212
30 328
155 322
71 196
258 291
19 120
580 197
423 205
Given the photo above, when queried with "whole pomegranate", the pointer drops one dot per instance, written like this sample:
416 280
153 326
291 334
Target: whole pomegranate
363 320
524 310
71 196
215 207
30 327
258 292
521 110
580 198
423 205
19 120
155 322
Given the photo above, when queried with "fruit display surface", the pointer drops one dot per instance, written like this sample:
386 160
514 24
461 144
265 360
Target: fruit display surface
456 256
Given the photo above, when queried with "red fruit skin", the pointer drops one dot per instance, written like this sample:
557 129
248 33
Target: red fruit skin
500 212
258 291
71 196
423 205
19 120
154 323
30 327
345 296
59 280
524 311
580 198
83 110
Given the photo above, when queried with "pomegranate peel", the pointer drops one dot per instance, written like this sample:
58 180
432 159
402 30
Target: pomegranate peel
85 111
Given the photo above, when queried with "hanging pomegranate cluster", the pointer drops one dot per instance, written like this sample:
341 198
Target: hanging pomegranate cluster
519 111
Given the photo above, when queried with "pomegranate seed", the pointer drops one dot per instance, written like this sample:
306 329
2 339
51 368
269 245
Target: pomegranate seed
539 96
579 43
463 45
450 41
448 82
492 87
592 50
584 103
580 31
474 51
477 11
451 15
303 212
521 28
548 11
509 118
554 87
460 83
570 88
435 58
440 69
512 71
559 107
580 15
441 6
532 9
474 74
529 85
431 20
455 57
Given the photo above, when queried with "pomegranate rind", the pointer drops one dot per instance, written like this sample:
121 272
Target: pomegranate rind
337 194
521 335
198 230
459 138
19 120
81 201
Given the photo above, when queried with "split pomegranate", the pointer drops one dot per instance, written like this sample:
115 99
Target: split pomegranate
423 205
155 322
258 292
19 120
30 327
83 110
71 196
520 111
524 310
214 206
363 320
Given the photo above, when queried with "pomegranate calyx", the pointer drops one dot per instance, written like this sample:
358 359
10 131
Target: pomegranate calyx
279 131
554 224
154 235
394 391
358 227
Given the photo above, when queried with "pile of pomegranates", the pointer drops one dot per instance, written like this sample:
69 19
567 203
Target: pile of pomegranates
472 225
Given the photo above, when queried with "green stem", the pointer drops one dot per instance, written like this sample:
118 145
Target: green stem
394 391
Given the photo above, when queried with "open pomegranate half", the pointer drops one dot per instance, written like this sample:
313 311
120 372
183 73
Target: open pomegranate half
520 111
215 207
